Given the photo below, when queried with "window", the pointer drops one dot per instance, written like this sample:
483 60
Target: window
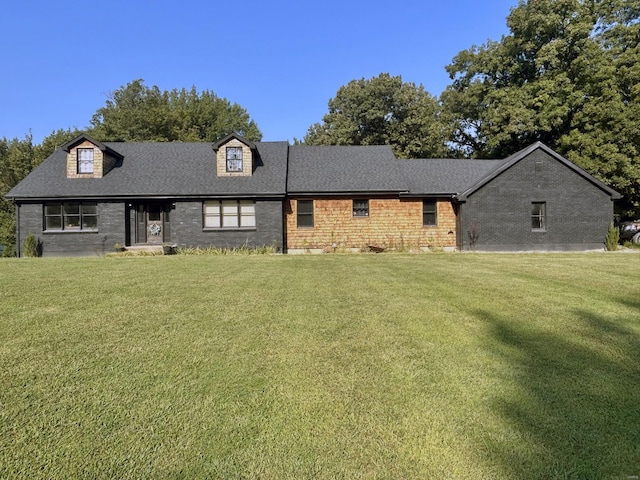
538 214
234 159
360 208
85 160
229 214
71 216
429 213
305 213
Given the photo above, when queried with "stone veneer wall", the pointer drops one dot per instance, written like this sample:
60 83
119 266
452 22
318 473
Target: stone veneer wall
247 160
98 162
392 223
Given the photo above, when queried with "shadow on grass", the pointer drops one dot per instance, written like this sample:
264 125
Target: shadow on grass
573 401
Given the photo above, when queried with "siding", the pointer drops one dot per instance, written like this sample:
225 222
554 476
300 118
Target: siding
392 223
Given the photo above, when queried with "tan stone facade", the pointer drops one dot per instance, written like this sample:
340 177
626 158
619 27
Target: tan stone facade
247 159
102 163
392 223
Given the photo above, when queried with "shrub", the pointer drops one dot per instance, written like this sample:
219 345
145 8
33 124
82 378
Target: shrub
613 238
31 247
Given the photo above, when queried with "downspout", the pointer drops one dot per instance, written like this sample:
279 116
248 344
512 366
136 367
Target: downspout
17 228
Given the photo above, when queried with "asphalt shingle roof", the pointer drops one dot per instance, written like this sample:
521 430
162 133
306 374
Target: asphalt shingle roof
159 169
343 169
445 176
182 170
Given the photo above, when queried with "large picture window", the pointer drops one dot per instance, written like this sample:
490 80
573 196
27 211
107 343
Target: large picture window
71 216
305 213
429 213
229 214
85 160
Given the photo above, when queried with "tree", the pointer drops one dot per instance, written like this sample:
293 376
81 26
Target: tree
567 75
16 161
136 112
382 110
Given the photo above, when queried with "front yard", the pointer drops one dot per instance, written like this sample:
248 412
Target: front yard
334 366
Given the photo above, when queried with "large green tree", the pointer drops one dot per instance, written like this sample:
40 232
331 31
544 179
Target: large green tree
382 110
137 112
17 159
568 74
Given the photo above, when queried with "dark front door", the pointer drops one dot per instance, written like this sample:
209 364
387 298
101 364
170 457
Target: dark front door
152 223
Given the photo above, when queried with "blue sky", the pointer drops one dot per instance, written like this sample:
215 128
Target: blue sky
282 60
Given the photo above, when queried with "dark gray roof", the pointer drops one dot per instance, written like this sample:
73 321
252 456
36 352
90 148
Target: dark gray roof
189 170
170 169
344 169
445 176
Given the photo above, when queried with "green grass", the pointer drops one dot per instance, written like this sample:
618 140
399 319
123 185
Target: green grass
334 366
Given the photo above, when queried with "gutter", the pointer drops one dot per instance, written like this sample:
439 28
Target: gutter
18 252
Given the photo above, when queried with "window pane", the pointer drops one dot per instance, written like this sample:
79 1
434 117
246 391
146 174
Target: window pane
538 216
229 208
361 208
234 153
305 206
72 209
72 221
85 160
53 209
247 208
429 212
53 223
230 221
90 222
212 208
234 165
89 208
154 213
248 221
212 221
305 213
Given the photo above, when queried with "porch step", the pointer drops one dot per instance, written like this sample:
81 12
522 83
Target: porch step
144 248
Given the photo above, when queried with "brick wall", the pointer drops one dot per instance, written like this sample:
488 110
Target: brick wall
392 223
578 213
247 160
111 230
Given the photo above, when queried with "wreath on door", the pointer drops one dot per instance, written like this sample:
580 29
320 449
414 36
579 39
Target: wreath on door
154 229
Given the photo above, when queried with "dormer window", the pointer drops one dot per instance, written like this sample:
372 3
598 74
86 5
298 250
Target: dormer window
85 160
234 159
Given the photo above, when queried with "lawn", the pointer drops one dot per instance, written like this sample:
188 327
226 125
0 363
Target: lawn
335 366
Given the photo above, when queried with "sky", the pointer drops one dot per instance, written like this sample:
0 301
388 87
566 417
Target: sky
281 60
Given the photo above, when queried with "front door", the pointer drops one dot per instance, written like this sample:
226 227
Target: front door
152 224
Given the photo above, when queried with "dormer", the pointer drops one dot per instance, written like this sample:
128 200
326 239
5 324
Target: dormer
88 158
234 156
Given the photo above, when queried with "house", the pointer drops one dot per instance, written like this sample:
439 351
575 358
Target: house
88 196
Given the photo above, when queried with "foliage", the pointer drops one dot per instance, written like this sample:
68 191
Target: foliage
136 112
382 110
322 367
568 75
612 240
17 159
31 246
242 250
